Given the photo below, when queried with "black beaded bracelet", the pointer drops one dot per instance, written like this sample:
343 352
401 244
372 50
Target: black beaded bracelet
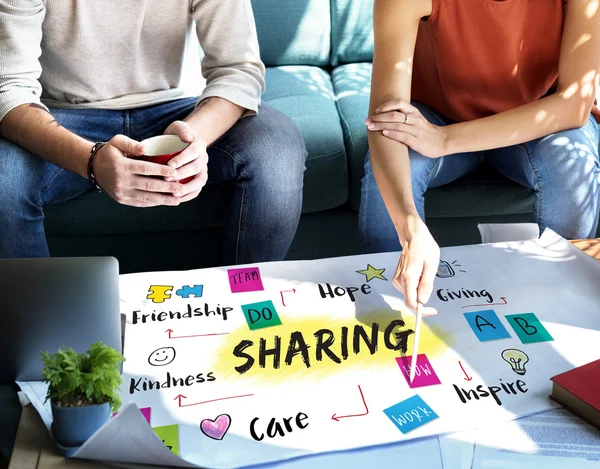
90 168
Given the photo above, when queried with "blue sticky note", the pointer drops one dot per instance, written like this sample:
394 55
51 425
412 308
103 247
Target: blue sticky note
410 414
486 325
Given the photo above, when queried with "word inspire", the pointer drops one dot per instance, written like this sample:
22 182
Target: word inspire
207 311
274 428
146 384
492 391
447 294
324 340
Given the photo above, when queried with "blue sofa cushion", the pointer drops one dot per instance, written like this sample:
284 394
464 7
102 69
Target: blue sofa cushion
352 85
478 195
303 93
351 31
293 32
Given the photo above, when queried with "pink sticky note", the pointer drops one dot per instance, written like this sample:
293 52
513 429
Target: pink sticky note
245 280
145 412
424 372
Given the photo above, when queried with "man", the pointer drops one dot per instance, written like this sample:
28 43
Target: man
75 74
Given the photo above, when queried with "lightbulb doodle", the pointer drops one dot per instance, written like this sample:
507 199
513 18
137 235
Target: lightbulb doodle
516 359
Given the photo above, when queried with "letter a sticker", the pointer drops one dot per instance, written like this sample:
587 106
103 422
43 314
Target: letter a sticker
529 328
486 325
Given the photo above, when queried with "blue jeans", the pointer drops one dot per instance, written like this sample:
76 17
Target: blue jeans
263 156
562 168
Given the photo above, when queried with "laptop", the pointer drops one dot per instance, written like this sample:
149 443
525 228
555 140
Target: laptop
49 303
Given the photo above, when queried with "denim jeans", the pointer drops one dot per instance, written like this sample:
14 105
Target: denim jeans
562 168
262 155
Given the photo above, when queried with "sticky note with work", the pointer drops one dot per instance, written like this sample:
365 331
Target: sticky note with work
410 414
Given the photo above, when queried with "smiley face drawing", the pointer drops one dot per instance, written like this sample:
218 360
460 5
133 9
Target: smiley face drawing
162 356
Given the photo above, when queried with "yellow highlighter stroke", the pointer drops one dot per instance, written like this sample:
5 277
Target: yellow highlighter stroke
312 348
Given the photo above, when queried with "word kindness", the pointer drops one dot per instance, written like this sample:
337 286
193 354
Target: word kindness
207 311
321 345
146 384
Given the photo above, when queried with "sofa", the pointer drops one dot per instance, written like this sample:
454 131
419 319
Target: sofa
317 54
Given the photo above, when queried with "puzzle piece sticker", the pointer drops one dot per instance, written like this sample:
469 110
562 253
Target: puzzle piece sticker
169 435
245 280
187 291
486 325
158 293
410 414
529 328
424 372
371 272
261 315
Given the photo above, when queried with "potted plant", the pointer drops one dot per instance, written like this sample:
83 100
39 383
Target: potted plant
83 390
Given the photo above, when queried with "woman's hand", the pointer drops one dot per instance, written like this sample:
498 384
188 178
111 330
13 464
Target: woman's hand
401 121
417 267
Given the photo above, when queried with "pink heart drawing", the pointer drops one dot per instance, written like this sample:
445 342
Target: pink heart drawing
217 428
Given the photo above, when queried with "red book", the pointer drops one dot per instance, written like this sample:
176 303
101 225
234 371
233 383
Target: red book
579 391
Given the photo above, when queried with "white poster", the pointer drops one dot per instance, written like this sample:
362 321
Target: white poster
248 365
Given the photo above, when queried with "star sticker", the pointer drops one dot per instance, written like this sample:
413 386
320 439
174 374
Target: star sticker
371 272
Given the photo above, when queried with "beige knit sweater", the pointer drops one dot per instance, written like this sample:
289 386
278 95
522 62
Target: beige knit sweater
120 54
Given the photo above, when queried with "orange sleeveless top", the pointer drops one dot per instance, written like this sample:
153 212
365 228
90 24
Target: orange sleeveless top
475 58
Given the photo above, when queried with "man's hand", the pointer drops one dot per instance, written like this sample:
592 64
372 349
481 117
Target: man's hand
133 182
191 162
401 121
417 268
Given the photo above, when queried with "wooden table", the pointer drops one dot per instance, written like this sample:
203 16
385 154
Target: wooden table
34 448
590 246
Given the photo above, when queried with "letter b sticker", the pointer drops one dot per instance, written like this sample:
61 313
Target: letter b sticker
529 328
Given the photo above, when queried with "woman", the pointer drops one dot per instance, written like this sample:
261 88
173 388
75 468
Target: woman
506 83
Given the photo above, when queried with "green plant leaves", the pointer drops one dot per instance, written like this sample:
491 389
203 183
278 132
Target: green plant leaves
92 377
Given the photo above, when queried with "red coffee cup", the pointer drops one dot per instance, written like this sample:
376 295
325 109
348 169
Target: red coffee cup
161 149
